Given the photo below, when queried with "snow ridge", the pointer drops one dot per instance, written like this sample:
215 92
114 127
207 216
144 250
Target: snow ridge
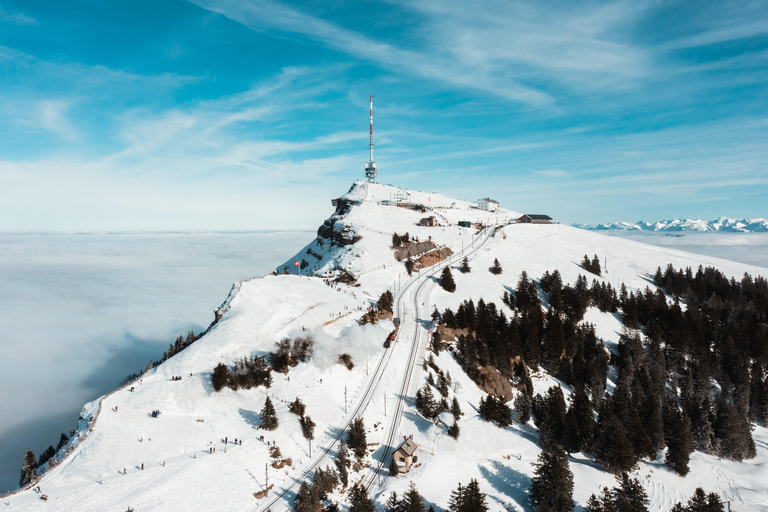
721 224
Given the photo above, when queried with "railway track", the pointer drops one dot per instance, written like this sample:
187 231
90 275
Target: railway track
418 284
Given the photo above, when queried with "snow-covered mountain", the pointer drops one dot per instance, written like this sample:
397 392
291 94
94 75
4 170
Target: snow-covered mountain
723 224
124 457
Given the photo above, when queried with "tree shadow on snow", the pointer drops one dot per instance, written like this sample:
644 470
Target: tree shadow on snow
250 417
421 423
508 482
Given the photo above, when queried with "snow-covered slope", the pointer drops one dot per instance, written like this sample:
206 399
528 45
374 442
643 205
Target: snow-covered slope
180 473
723 224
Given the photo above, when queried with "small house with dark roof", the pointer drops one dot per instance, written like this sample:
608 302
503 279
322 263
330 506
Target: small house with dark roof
404 455
533 218
430 221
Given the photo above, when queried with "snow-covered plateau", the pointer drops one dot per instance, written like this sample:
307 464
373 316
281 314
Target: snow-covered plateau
101 469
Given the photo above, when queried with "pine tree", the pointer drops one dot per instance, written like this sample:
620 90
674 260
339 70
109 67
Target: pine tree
412 500
386 301
446 280
307 427
523 407
465 266
220 377
612 448
553 481
594 504
629 496
297 407
496 268
342 463
409 266
63 440
456 500
306 500
359 500
677 428
394 469
392 504
29 469
356 438
474 500
268 416
454 430
456 409
732 430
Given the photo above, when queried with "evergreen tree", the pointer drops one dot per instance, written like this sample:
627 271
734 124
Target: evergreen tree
386 301
446 280
29 469
342 463
677 429
496 268
220 377
297 407
425 402
63 440
612 448
454 430
409 266
474 500
394 469
523 407
307 427
356 438
456 409
456 500
629 496
392 504
733 432
396 241
585 420
594 504
268 416
412 501
465 266
553 481
359 500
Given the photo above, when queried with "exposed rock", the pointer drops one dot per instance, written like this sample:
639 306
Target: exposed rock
494 383
412 249
432 258
374 315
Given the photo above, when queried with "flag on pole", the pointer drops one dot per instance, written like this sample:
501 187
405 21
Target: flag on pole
297 263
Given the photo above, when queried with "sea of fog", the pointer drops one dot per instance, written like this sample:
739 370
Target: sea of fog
80 312
749 248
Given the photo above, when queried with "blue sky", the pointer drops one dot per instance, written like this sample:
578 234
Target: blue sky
241 114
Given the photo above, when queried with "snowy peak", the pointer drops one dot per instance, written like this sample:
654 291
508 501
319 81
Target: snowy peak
722 224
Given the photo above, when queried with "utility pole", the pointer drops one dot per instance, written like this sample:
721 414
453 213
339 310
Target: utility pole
345 399
266 476
310 447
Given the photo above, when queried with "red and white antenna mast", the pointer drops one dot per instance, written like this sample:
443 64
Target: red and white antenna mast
370 166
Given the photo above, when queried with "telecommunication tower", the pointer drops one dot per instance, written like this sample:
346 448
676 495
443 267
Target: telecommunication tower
370 166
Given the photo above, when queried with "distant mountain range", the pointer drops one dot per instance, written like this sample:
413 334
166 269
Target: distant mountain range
723 224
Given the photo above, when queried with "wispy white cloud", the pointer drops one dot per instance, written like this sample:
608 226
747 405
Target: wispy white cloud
17 18
264 15
552 173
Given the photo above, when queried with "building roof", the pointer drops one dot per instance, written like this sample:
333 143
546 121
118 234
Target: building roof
408 447
537 216
489 200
